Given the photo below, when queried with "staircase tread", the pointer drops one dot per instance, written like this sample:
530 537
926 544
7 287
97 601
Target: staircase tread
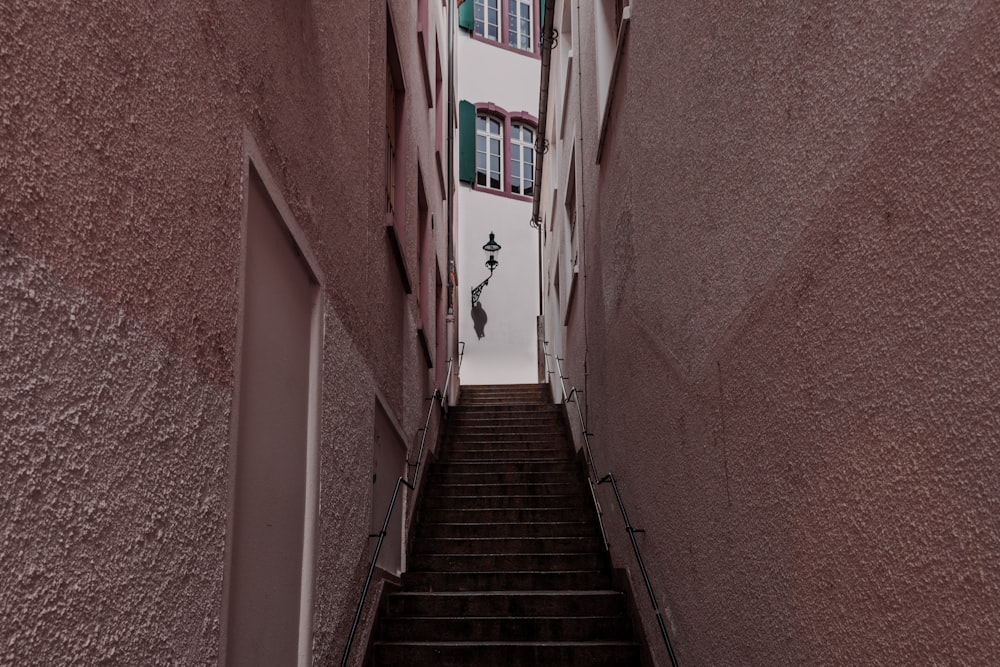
518 495
520 617
470 524
511 554
601 642
508 524
506 573
507 483
504 593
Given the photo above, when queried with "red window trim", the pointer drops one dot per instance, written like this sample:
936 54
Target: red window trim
507 118
535 51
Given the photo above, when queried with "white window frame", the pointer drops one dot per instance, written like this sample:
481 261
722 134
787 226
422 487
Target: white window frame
489 136
518 148
514 9
481 26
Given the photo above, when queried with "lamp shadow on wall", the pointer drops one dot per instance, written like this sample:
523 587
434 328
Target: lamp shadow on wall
479 319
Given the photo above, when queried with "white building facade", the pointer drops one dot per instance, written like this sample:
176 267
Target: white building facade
497 81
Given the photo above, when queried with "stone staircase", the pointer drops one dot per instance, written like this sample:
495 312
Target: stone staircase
507 567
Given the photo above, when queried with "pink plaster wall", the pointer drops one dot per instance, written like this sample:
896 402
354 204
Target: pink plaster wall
792 275
121 159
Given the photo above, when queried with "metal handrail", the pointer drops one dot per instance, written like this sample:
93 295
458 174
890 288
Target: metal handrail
412 485
573 396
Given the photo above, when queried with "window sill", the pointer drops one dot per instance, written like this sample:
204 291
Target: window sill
567 87
440 170
422 337
422 44
619 49
500 193
400 255
534 53
572 294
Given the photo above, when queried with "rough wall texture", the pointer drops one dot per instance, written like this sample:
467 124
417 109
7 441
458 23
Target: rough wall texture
792 269
121 168
113 459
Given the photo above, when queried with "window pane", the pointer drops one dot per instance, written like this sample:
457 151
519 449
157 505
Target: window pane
480 143
481 160
480 13
494 126
495 182
494 147
495 163
481 178
480 123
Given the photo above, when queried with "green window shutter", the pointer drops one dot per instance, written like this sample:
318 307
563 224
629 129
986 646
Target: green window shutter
466 139
466 15
541 16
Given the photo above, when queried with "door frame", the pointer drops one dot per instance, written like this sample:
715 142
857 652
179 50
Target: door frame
252 162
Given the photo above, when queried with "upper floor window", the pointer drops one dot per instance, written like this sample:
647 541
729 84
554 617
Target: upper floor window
496 149
489 152
522 159
507 22
519 24
488 19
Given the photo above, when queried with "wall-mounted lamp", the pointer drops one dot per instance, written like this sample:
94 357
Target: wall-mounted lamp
492 249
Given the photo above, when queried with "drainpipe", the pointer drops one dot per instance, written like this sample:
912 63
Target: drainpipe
450 185
546 41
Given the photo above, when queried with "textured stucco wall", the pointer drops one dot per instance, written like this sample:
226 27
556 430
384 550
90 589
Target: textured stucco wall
113 462
122 156
792 274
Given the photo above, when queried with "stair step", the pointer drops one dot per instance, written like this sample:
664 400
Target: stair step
501 466
552 501
493 580
503 654
507 565
497 454
514 411
505 562
470 424
485 434
510 530
506 477
509 488
497 543
500 514
506 628
507 603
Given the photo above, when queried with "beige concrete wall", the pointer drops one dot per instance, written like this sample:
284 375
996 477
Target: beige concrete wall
121 178
790 267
